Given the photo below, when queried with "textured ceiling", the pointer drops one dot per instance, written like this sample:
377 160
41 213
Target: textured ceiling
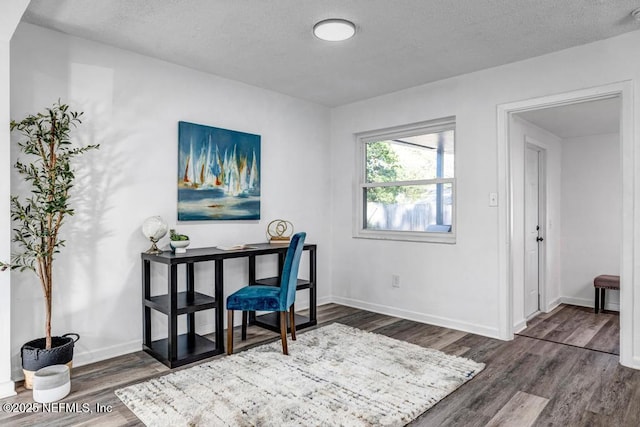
399 44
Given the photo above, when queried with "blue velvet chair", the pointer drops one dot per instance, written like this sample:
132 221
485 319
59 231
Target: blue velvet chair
271 298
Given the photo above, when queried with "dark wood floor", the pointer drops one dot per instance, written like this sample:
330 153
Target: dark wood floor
577 326
526 381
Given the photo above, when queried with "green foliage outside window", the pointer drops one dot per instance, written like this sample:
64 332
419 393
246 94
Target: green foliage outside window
383 165
391 161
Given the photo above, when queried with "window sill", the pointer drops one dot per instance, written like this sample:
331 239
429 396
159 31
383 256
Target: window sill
406 236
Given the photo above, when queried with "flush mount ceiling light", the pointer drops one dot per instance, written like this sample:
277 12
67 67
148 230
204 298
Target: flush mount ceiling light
334 30
636 14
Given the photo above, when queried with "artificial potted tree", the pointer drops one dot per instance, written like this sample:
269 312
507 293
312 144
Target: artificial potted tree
38 217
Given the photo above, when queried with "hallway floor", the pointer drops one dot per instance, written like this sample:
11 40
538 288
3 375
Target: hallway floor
579 327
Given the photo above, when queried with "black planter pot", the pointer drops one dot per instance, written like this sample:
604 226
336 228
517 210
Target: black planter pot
35 356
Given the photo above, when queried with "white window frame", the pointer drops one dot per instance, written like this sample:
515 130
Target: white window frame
360 184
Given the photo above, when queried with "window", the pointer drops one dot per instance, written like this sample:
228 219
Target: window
406 185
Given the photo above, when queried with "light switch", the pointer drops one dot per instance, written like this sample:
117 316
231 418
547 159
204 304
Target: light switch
493 199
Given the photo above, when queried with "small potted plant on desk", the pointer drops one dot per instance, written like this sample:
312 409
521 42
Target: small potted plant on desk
179 242
37 219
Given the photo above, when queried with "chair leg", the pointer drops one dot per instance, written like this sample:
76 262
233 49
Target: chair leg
602 299
292 321
230 332
283 331
597 301
245 314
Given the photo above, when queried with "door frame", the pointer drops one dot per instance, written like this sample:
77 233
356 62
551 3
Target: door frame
542 222
629 158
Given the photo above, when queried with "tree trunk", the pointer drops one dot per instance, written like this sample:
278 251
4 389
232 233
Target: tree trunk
47 325
47 285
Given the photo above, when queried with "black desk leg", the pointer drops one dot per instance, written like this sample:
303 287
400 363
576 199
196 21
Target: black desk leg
244 324
220 307
146 295
191 317
312 288
173 313
252 280
281 257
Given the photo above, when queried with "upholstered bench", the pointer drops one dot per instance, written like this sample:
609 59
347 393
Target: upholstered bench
601 283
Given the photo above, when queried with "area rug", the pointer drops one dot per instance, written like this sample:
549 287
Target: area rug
334 375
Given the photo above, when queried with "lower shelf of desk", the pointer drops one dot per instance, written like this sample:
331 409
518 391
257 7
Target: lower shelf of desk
200 349
271 321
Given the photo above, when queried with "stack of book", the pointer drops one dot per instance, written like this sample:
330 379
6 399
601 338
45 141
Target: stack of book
279 240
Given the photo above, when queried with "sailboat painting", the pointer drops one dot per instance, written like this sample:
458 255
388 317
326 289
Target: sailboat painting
218 174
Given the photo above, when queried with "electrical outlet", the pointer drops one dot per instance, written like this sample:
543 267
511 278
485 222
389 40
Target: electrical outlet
395 281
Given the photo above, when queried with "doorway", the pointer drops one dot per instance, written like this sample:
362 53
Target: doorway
582 235
512 215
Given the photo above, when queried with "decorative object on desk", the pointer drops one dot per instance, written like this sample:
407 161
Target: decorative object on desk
48 168
279 231
178 242
335 375
218 174
154 228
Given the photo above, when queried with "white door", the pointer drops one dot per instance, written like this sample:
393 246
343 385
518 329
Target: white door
533 229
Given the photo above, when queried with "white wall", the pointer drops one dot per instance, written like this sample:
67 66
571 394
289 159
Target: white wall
521 133
591 211
457 285
444 284
132 105
6 385
10 13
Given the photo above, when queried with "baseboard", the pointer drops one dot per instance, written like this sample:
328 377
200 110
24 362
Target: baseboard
588 302
553 305
419 317
635 363
87 357
520 326
324 301
7 389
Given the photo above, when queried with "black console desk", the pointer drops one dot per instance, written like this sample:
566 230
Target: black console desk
177 350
